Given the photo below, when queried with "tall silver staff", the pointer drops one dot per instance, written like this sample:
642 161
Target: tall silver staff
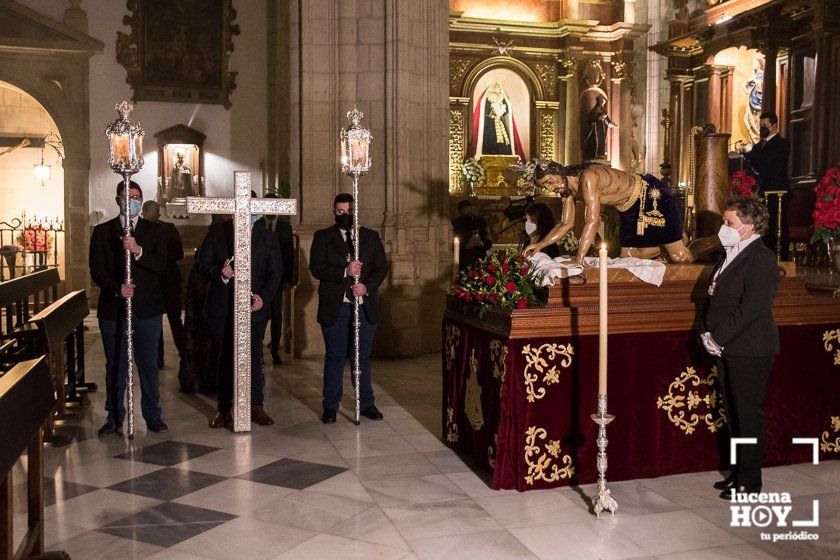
125 156
355 162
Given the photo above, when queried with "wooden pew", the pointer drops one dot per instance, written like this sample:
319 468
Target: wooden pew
59 334
26 400
20 298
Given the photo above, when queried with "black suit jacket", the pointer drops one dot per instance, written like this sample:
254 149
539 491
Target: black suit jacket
285 238
769 159
107 268
174 252
740 313
266 269
327 262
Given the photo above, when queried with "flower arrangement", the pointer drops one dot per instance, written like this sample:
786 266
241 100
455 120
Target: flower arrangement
526 181
501 280
827 207
471 171
569 244
35 238
743 184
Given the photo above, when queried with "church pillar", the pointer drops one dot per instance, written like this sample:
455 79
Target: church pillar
277 52
76 221
768 85
571 142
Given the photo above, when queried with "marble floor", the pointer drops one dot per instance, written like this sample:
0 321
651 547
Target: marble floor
383 490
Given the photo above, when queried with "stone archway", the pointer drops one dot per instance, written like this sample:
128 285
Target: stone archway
49 61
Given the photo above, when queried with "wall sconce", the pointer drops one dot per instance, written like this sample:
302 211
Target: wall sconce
43 171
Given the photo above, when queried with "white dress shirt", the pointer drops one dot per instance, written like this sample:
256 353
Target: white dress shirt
133 227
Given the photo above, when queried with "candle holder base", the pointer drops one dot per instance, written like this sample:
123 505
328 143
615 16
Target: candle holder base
602 500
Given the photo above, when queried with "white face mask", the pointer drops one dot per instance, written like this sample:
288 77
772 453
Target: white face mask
729 236
530 228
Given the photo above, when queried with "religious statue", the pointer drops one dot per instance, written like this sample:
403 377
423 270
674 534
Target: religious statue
650 216
494 128
598 122
180 178
752 87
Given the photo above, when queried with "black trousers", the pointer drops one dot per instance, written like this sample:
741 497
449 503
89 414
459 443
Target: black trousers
221 331
743 382
276 320
174 306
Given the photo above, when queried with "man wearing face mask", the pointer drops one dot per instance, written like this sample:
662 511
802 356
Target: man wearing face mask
739 331
331 262
769 160
147 245
215 261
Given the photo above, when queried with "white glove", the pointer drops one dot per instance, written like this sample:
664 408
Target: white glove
710 345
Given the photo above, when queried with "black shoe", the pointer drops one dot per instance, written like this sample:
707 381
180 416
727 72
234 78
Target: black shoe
328 417
373 413
727 482
275 358
727 494
110 427
158 426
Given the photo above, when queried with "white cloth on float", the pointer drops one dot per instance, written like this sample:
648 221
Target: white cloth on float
547 269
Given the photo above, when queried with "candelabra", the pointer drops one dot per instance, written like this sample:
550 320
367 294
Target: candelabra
125 156
602 500
355 162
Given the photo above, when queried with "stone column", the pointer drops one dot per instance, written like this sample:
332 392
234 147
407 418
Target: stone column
389 58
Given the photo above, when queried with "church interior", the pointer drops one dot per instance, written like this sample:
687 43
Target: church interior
550 198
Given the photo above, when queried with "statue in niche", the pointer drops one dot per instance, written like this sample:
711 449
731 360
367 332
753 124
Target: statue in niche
180 178
597 123
494 128
752 87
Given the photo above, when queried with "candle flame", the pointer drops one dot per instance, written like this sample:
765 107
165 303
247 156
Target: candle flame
603 246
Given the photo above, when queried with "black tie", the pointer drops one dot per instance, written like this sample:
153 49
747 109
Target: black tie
349 239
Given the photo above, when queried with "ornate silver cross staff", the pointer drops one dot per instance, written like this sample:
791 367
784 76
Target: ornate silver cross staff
355 162
242 206
125 156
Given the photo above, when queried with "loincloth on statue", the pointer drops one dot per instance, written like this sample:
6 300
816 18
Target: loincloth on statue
661 222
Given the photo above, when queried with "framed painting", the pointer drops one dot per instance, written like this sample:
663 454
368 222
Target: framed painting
179 50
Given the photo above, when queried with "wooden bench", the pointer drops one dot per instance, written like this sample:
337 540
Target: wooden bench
20 298
26 401
59 333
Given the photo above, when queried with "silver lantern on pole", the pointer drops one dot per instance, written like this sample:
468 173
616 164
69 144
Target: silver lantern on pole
125 156
355 162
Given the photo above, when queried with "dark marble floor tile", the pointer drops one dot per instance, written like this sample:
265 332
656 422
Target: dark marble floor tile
290 473
167 484
59 491
167 453
166 524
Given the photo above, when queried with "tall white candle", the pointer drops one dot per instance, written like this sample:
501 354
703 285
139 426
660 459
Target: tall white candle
456 257
602 320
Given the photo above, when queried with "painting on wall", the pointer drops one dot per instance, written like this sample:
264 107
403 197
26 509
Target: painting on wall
179 50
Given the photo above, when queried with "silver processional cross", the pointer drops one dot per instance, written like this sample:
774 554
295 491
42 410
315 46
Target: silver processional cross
242 206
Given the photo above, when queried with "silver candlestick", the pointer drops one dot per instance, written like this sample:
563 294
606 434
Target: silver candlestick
602 500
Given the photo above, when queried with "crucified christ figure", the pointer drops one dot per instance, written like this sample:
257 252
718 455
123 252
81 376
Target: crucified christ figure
8 151
650 217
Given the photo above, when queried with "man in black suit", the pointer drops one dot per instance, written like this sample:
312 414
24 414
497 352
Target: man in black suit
769 160
215 261
147 245
331 262
740 331
283 231
170 280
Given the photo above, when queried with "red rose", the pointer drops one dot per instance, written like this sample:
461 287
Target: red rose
523 271
521 304
491 267
489 280
479 297
492 298
472 273
505 268
510 287
468 297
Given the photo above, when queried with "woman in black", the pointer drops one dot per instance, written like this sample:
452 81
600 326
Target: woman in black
739 331
539 221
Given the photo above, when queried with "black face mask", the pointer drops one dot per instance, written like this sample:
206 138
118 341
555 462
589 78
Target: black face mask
763 131
344 221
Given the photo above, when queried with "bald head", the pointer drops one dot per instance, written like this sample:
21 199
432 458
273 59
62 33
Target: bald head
151 210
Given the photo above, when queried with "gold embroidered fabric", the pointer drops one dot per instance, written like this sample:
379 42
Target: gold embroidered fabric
451 426
472 399
828 337
638 187
498 355
681 400
542 465
537 365
453 337
826 443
